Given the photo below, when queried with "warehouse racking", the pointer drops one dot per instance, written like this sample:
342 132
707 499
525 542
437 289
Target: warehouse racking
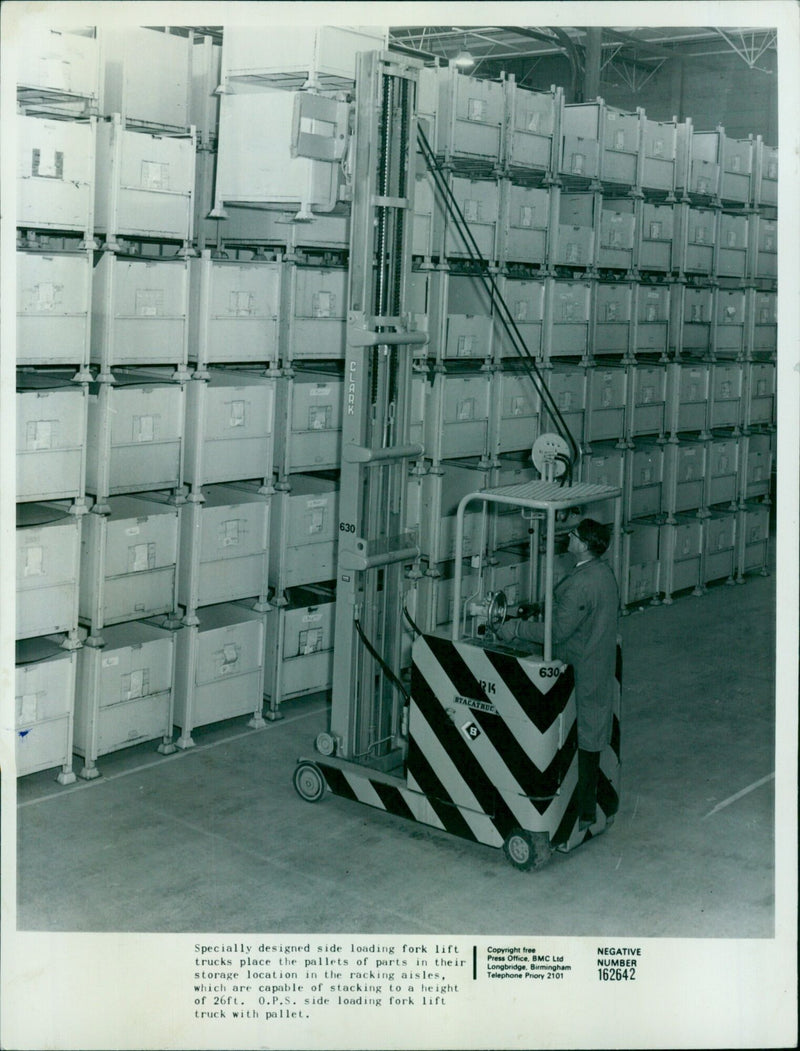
182 337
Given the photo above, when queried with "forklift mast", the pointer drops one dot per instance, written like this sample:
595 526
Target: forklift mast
368 697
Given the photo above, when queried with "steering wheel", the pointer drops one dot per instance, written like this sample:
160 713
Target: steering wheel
498 610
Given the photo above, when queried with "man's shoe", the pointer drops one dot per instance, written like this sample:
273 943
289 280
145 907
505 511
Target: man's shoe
584 823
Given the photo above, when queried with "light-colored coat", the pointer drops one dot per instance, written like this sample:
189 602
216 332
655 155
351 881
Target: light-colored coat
585 622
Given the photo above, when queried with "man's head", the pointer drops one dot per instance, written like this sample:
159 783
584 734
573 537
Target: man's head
589 537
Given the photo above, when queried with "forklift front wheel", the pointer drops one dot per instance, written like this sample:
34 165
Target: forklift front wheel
309 782
527 850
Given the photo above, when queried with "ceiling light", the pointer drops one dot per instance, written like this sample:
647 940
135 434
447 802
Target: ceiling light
464 59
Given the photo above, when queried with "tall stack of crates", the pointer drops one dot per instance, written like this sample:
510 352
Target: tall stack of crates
181 334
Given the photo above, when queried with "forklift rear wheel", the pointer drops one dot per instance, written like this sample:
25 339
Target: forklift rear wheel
527 850
309 782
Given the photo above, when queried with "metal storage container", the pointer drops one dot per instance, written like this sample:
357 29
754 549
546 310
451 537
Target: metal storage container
432 504
764 251
229 428
698 159
316 313
60 71
719 547
567 385
55 174
219 669
468 324
51 437
48 556
525 300
578 219
570 311
151 92
53 297
657 237
44 701
297 56
525 223
640 564
698 238
580 141
124 694
763 313
730 335
128 563
752 532
144 184
693 321
647 399
685 468
515 412
531 126
470 118
310 408
760 379
606 398
658 156
304 528
651 334
620 138
617 237
613 316
234 310
139 312
687 397
604 464
681 548
757 466
736 181
298 651
224 549
723 470
479 202
726 395
134 435
732 253
644 475
457 414
266 169
765 177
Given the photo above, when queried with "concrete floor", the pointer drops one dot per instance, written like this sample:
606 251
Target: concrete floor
216 838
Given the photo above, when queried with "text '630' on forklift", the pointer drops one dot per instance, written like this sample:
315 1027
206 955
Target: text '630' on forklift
481 741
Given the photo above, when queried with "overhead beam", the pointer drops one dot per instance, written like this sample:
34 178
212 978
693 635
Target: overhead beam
642 45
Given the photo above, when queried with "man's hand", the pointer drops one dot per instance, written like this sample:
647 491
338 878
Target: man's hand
527 610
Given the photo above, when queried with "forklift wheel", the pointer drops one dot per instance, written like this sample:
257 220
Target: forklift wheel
527 850
309 782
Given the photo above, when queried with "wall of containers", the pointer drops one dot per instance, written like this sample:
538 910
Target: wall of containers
180 348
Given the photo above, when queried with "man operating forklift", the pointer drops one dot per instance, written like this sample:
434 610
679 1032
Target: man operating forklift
585 616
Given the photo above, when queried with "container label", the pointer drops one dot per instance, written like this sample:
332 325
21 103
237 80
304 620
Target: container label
34 561
240 304
47 164
110 662
521 310
472 211
578 165
132 531
769 243
526 216
697 312
466 345
700 235
28 708
651 314
135 684
317 503
655 231
518 405
703 184
319 417
476 109
230 655
465 410
154 175
144 429
319 390
574 252
648 394
141 557
532 120
619 139
657 148
323 304
310 641
772 170
47 295
230 532
612 311
309 618
565 400
237 414
736 163
316 521
761 388
149 302
39 434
